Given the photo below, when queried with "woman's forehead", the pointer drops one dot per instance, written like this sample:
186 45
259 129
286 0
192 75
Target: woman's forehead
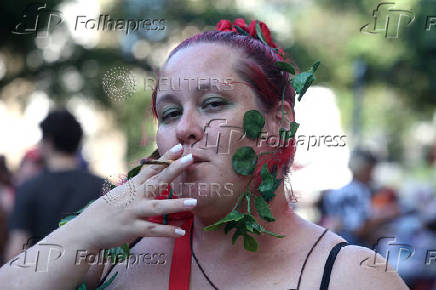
202 60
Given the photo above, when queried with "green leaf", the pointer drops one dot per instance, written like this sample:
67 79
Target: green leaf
281 65
133 172
259 33
66 219
315 66
266 188
82 209
111 186
236 234
263 209
82 286
250 243
247 196
302 81
286 135
108 282
242 31
244 160
232 216
253 123
293 126
230 226
70 217
115 252
272 234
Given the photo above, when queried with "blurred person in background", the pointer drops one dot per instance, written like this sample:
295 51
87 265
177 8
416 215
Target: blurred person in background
349 210
6 199
60 190
31 165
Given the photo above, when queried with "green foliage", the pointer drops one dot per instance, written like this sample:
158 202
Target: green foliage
116 253
269 183
287 134
242 31
232 216
244 160
253 123
250 243
108 282
302 81
70 217
259 33
284 66
133 172
263 209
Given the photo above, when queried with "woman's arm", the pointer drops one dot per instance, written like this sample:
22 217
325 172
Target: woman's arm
50 263
63 258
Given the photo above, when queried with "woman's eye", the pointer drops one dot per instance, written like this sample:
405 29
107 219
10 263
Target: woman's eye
170 115
214 104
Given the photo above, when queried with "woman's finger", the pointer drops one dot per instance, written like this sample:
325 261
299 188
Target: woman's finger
149 229
147 208
150 170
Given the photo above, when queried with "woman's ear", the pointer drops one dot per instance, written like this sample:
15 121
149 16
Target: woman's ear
283 114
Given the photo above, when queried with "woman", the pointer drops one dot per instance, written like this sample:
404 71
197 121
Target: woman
192 116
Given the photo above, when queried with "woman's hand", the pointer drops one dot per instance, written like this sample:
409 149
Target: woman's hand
120 216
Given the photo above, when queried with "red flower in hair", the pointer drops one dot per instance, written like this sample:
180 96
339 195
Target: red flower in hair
241 23
227 25
224 25
265 31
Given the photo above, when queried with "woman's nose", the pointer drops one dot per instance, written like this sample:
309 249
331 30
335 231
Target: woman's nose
189 129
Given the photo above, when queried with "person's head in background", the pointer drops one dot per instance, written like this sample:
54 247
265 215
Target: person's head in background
61 139
362 164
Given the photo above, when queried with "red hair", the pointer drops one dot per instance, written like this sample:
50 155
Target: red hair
260 73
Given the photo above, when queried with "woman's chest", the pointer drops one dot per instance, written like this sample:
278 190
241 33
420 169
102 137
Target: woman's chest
152 269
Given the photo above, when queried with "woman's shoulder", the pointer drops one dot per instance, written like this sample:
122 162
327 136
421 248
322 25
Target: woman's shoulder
359 267
353 266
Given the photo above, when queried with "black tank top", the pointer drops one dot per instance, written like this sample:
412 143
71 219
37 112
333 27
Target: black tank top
328 266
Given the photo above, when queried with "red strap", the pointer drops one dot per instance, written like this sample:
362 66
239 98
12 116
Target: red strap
180 274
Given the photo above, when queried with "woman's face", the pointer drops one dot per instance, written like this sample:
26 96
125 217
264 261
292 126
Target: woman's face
202 120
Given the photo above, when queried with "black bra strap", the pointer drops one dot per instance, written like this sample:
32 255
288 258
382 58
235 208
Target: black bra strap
329 265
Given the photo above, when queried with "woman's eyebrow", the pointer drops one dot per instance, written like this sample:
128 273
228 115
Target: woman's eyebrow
199 87
166 97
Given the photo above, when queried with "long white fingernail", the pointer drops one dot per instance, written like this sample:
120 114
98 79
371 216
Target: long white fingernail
190 202
179 232
186 159
176 148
